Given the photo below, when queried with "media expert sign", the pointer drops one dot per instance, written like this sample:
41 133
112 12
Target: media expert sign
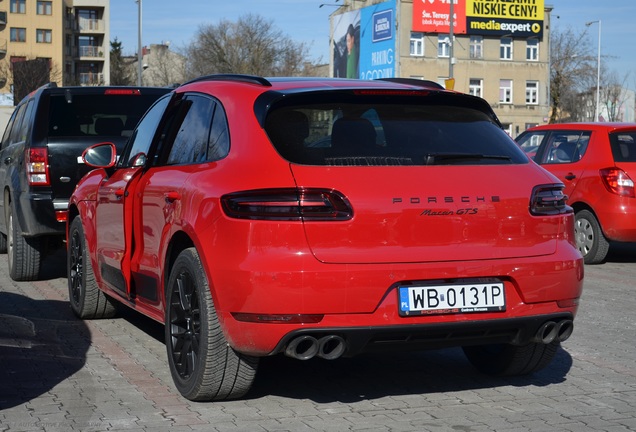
517 18
377 41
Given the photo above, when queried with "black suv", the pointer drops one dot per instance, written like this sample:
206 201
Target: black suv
41 161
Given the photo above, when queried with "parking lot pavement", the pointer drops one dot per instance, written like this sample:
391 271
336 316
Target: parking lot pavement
58 373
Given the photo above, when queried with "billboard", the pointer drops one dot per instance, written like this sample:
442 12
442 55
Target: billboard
514 18
364 42
433 16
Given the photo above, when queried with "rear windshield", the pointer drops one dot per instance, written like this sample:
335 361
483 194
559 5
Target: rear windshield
388 131
109 115
623 146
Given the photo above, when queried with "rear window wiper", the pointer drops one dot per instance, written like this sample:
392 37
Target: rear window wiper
449 158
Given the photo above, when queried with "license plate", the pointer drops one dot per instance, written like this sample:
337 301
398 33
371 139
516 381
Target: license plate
452 299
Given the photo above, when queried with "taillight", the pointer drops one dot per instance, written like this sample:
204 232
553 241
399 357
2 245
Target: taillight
549 200
617 182
37 166
288 204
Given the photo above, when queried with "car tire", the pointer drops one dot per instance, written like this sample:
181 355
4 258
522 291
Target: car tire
24 253
86 299
203 365
589 238
511 360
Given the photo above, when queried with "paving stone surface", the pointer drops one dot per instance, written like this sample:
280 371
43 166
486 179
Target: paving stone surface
58 373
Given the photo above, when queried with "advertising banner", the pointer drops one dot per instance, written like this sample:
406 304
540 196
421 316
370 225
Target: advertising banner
364 42
513 18
433 16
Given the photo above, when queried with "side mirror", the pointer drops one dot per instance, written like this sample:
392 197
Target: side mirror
102 155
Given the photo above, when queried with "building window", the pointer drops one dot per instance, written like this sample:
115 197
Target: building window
443 46
18 6
44 8
43 36
476 87
532 92
505 49
505 91
18 34
417 44
532 50
476 47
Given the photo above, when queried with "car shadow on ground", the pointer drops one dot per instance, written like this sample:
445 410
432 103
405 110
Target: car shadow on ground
621 253
372 376
41 345
375 376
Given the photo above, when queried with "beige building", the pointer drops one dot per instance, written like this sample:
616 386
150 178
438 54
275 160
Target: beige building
71 35
511 73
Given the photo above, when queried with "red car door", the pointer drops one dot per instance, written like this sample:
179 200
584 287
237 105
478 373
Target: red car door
115 202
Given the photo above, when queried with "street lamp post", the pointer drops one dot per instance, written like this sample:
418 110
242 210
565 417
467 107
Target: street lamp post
139 47
598 71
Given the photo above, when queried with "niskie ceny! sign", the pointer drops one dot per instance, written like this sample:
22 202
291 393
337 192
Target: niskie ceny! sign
514 18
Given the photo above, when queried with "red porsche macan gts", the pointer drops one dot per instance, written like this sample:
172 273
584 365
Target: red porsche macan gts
324 217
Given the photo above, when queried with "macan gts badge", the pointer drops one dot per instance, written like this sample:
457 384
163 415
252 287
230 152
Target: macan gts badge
259 216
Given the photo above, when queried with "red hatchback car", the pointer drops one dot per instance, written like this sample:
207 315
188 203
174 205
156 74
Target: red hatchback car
597 164
324 218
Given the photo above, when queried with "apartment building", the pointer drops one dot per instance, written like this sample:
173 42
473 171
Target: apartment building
496 50
70 36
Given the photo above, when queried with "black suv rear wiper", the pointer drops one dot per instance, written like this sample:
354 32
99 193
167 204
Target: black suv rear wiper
449 158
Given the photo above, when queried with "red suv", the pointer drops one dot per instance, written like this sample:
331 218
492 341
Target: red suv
324 218
596 162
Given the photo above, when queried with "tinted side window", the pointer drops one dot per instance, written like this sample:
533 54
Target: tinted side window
18 127
623 146
142 137
203 134
7 132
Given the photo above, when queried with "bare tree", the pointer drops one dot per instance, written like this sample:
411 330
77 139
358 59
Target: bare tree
612 95
572 70
163 67
251 45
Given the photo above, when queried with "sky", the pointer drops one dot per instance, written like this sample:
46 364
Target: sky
177 21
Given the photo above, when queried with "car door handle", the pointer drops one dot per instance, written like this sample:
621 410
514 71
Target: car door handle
172 196
119 193
570 176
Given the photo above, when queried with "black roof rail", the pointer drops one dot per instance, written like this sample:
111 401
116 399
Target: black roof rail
414 82
253 79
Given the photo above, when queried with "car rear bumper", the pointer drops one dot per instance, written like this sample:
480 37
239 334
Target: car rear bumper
37 214
617 218
361 302
358 340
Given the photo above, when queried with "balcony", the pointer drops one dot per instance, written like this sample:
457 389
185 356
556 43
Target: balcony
91 79
91 52
90 25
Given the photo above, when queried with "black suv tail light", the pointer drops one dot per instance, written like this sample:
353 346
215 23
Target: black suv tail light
288 204
549 200
37 166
